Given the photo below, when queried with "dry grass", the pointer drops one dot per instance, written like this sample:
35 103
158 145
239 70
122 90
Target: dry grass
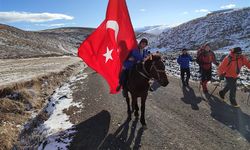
19 99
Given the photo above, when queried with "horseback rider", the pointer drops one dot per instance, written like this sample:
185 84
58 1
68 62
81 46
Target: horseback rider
230 69
135 56
205 58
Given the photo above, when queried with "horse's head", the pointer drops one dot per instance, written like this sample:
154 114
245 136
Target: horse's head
156 69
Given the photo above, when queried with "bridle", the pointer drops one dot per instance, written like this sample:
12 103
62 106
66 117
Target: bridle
146 74
158 71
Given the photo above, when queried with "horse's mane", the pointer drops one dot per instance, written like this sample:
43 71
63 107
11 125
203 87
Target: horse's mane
153 57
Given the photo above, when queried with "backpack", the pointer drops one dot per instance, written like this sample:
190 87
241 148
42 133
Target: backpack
199 54
230 60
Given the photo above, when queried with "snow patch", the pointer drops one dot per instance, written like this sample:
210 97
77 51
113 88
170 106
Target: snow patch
62 99
58 130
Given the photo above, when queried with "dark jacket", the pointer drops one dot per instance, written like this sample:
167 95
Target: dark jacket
184 60
136 57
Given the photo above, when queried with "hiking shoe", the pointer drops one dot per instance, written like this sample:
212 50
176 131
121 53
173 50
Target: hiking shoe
235 105
222 96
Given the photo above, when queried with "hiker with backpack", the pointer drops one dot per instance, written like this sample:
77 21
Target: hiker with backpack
184 60
205 58
230 69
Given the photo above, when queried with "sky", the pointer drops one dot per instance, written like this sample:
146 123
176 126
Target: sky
44 14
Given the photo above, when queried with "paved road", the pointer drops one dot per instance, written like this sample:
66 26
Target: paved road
177 118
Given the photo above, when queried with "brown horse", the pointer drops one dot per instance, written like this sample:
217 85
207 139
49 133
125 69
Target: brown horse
138 83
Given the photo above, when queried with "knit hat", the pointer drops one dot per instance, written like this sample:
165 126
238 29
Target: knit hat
237 50
144 41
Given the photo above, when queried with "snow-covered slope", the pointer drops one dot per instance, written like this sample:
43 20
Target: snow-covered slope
16 43
222 29
154 30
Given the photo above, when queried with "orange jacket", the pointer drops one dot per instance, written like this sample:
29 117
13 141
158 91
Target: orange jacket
228 67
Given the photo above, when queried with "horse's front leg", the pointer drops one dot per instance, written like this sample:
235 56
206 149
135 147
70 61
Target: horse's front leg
128 106
135 107
143 102
125 94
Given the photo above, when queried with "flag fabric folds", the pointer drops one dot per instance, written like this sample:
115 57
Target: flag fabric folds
108 46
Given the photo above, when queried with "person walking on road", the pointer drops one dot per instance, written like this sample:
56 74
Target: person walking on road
205 58
183 60
230 68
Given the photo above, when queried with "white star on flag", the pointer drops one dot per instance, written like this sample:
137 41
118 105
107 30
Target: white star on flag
108 55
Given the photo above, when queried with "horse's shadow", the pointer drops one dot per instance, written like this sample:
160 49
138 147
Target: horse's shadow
124 136
88 134
230 116
91 132
189 97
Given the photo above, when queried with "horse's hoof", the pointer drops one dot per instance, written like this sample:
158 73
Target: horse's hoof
136 114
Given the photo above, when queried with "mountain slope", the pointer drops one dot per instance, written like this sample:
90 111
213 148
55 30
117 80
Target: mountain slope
154 30
222 29
16 43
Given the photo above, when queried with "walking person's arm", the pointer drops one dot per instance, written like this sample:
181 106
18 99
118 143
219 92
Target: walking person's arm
214 59
246 62
179 60
223 67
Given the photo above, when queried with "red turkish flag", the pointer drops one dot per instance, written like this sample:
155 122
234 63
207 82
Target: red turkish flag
108 46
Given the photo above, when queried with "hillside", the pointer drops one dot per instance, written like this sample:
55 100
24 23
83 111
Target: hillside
222 29
155 30
16 43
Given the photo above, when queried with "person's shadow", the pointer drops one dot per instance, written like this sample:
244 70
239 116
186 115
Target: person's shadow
230 116
124 136
189 97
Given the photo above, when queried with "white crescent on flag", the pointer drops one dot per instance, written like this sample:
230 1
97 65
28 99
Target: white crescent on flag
112 24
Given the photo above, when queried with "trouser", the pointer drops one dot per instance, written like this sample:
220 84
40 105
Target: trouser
183 71
230 86
123 81
205 77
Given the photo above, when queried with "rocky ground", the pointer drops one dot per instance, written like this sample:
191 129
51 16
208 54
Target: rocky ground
76 111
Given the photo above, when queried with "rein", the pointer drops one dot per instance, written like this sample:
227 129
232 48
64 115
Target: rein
157 70
146 73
